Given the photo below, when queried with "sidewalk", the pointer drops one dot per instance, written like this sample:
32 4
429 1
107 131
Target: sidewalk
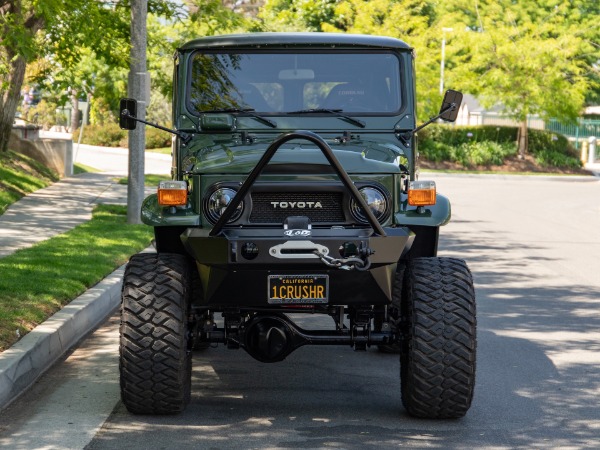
56 209
40 216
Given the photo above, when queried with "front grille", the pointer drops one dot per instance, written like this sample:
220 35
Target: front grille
264 211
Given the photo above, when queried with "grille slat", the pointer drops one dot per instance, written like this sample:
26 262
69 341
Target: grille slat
264 211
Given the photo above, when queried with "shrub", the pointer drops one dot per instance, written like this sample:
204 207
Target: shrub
156 138
469 146
554 158
485 153
552 149
436 151
460 135
107 135
44 114
489 145
543 141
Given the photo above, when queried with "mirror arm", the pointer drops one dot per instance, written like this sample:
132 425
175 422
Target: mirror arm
185 137
406 136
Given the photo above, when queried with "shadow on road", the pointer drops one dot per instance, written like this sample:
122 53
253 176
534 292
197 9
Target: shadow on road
537 382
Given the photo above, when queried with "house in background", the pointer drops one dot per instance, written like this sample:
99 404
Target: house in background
592 111
471 113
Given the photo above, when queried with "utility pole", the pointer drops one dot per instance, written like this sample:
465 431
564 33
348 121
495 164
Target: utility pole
138 89
444 30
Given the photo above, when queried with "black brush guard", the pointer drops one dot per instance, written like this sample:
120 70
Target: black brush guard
319 142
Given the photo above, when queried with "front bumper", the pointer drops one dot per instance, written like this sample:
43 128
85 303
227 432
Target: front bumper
234 266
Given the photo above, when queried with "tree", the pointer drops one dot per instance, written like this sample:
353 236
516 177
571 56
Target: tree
204 18
296 15
530 57
409 20
59 30
17 41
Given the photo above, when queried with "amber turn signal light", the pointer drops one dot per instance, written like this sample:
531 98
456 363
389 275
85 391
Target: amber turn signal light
172 193
421 193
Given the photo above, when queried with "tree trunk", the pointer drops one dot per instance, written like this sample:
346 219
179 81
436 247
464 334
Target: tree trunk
523 139
74 111
12 82
9 99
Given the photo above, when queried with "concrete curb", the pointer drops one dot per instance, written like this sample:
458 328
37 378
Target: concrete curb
23 363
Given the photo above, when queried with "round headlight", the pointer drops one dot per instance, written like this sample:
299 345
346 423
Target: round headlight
217 203
376 200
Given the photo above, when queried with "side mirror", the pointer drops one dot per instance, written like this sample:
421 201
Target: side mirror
450 105
127 114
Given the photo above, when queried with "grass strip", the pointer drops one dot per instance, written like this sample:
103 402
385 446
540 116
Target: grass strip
19 176
38 281
79 168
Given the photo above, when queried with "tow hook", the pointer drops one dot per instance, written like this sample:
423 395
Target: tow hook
358 260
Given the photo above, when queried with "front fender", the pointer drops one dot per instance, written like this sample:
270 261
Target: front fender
160 216
431 216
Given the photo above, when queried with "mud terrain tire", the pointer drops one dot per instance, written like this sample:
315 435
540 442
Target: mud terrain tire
155 358
437 364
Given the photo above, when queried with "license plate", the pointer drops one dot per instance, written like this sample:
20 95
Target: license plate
285 289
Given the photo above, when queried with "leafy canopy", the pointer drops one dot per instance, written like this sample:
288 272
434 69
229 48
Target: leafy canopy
531 57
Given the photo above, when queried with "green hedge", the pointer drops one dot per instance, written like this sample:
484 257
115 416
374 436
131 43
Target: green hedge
488 145
111 135
451 135
156 138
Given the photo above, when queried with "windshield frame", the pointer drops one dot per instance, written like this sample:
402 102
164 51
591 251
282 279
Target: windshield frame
399 72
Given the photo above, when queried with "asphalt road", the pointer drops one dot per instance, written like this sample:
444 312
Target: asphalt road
532 245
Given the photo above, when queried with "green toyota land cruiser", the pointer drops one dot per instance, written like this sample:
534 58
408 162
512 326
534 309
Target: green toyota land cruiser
294 191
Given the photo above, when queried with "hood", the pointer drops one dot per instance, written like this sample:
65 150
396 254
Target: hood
365 156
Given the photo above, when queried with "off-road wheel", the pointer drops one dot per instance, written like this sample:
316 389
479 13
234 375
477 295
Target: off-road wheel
437 363
155 358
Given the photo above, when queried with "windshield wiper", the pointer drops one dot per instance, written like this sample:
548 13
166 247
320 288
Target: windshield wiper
247 111
336 112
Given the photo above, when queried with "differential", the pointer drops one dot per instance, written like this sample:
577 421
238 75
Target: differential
268 338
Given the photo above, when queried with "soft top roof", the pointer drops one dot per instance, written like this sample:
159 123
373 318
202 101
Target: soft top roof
298 40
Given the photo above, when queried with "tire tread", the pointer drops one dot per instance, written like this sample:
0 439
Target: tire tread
155 361
438 358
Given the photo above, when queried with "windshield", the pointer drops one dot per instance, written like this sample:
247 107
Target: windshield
366 82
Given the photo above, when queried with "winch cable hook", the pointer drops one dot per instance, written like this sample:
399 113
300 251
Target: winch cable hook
344 263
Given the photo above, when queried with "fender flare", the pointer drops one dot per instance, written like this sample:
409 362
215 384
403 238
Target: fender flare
432 216
156 215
